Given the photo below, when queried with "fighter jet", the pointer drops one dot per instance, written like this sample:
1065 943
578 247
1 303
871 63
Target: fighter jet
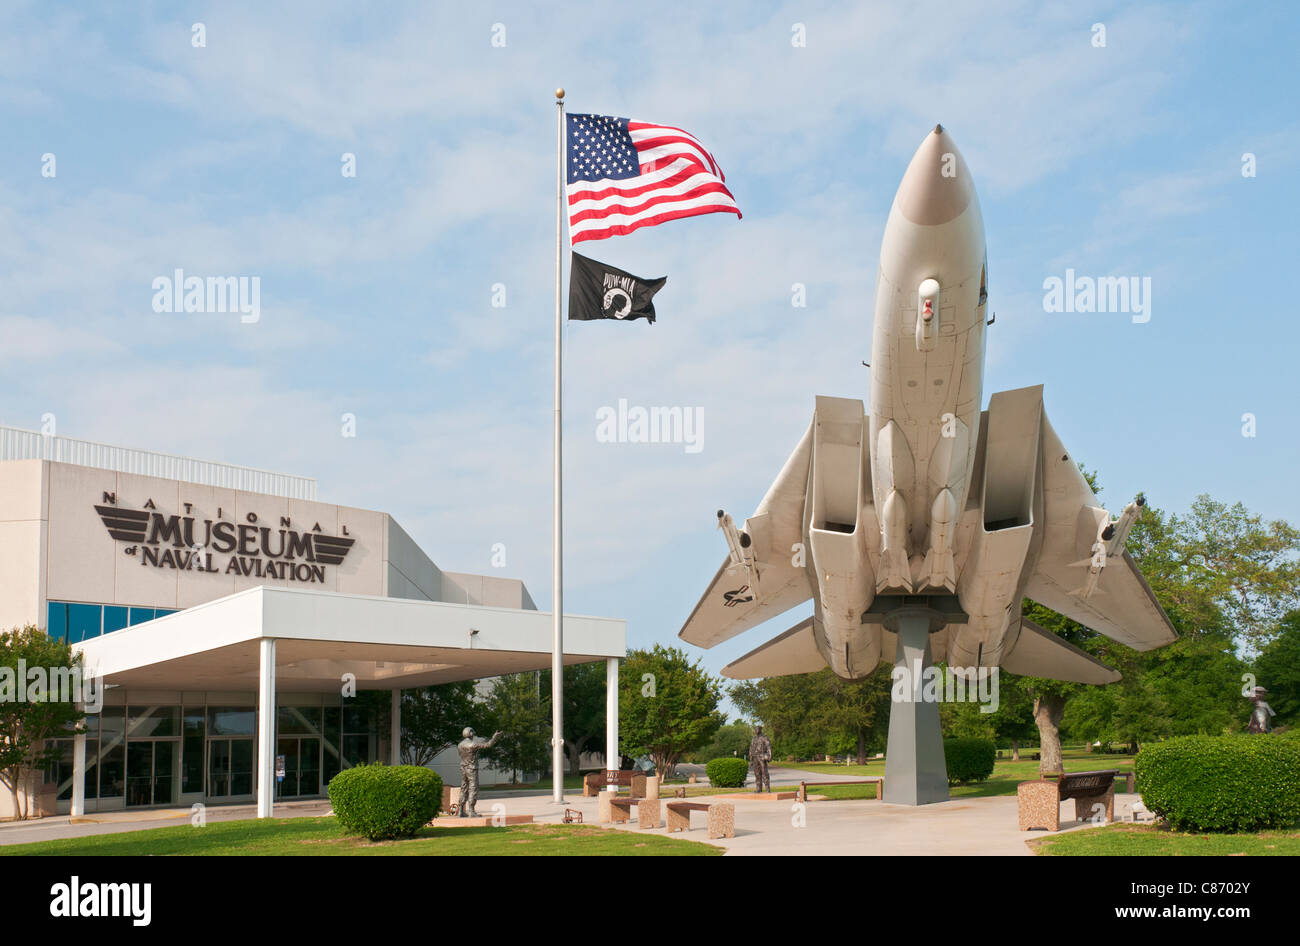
923 499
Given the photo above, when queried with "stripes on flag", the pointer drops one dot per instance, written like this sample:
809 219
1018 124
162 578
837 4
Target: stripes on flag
624 175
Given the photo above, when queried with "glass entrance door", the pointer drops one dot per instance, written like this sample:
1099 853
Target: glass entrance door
230 768
301 766
150 775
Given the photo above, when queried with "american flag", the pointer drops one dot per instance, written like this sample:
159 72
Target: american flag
624 175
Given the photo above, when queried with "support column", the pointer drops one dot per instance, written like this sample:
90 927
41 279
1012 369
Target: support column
611 717
266 728
79 775
395 730
915 772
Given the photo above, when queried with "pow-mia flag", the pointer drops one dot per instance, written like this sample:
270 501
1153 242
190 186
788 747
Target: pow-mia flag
597 291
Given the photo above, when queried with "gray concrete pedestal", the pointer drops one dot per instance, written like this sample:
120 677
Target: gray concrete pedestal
915 771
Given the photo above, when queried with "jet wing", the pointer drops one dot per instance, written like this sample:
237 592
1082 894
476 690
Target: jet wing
742 596
1122 606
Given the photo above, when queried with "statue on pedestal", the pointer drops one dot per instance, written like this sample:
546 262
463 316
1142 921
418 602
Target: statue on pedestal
1261 719
760 754
469 748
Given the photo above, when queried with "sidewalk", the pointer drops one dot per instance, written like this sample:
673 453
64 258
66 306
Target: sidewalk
137 819
963 826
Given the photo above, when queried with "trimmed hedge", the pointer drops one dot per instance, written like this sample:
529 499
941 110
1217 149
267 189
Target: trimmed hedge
383 802
969 759
1222 783
727 773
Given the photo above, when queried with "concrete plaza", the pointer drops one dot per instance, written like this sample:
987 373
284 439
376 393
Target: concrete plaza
962 826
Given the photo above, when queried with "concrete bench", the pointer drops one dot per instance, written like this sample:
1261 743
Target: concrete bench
636 782
594 782
879 783
647 811
721 816
1039 802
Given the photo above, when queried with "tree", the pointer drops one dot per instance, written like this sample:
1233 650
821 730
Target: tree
1199 678
516 706
1049 696
668 705
1249 566
1223 575
1277 669
31 716
433 718
818 713
731 741
584 709
1013 720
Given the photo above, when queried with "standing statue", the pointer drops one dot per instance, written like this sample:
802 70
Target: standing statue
469 748
760 754
1261 720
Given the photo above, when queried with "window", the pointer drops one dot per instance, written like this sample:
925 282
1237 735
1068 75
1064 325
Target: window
84 622
74 623
230 721
112 752
56 620
192 735
299 720
145 722
114 618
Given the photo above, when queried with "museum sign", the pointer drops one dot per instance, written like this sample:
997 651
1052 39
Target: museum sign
184 542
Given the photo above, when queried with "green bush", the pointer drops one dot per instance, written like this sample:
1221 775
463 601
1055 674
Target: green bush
969 759
727 773
383 802
1222 783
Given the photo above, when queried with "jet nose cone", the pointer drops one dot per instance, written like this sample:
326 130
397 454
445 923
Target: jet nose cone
937 186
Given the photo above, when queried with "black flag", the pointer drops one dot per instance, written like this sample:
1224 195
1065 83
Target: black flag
597 291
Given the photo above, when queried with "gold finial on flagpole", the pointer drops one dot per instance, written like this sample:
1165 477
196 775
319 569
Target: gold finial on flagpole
559 93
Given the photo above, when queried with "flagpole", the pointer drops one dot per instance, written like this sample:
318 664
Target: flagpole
557 540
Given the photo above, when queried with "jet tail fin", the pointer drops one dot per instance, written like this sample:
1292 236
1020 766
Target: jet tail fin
793 652
1038 652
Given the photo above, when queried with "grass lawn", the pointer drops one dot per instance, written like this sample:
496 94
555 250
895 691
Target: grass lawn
1156 840
322 836
666 791
1006 774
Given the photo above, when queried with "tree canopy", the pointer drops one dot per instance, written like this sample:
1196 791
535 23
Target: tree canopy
30 716
668 705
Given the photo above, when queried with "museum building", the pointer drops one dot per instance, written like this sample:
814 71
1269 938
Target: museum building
234 623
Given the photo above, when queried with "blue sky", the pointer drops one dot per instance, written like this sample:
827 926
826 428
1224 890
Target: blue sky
376 290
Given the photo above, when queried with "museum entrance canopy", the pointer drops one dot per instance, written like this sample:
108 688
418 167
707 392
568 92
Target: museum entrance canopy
387 643
276 642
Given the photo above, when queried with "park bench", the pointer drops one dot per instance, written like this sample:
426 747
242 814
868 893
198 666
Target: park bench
721 815
1040 802
647 811
593 782
879 783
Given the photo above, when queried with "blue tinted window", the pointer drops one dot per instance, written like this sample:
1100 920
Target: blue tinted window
114 618
162 613
140 615
56 620
83 622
